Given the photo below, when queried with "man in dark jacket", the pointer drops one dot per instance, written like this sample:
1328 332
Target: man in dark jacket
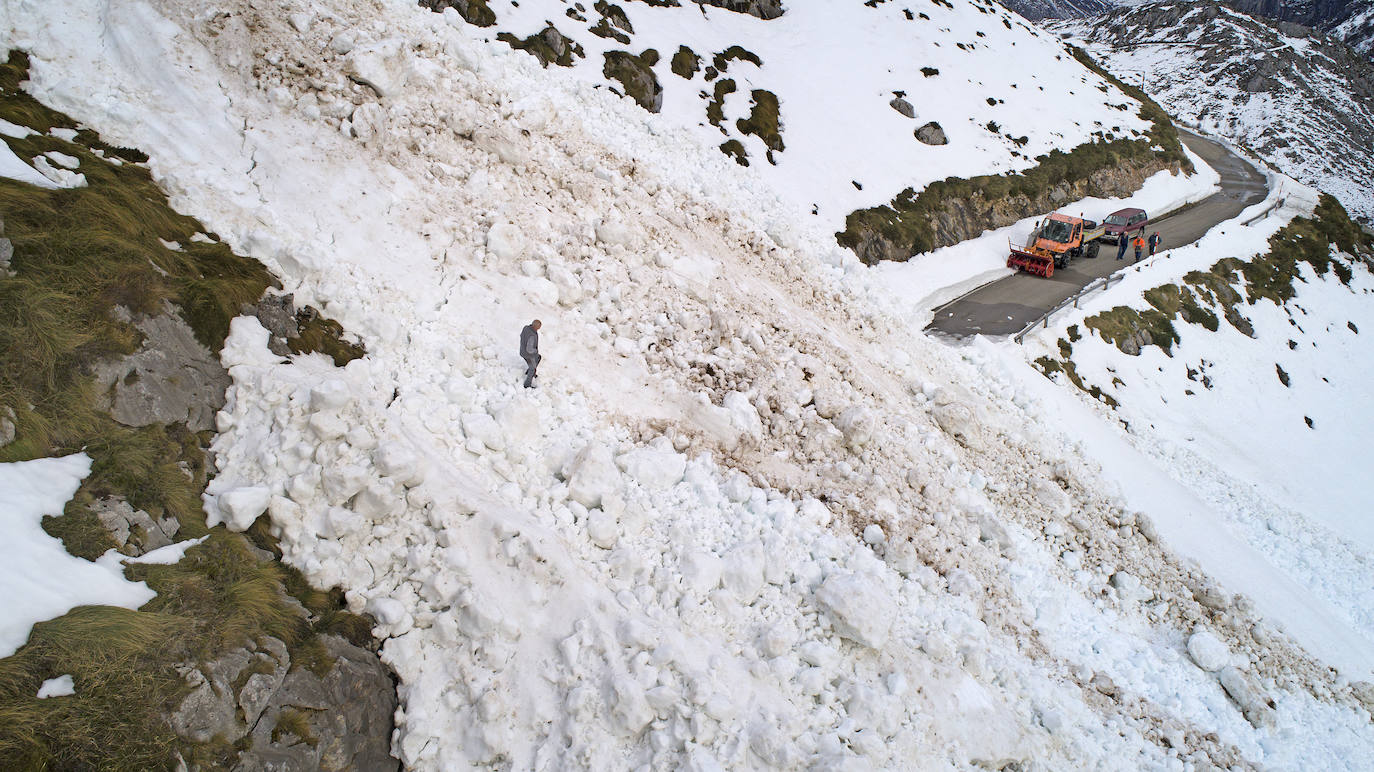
1155 241
1121 241
529 350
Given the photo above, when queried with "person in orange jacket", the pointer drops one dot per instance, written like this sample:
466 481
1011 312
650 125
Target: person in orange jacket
1139 243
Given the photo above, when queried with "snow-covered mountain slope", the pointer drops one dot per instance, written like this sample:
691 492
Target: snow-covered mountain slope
1352 21
1248 381
832 71
1302 102
748 519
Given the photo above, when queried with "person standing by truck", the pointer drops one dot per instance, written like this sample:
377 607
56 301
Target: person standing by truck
1121 246
1139 243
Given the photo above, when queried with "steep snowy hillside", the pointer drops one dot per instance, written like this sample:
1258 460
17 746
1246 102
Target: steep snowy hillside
747 519
1248 378
1301 101
828 129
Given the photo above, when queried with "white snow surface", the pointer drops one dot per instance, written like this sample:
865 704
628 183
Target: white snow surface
1289 518
654 559
38 578
835 67
61 686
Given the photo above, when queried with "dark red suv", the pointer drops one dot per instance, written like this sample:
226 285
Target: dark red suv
1125 221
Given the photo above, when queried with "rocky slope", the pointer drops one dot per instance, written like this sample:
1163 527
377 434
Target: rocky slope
1349 20
1301 100
1035 10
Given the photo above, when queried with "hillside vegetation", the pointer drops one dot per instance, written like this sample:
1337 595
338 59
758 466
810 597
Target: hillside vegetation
87 263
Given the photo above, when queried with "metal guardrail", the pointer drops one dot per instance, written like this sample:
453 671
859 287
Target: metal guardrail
1044 319
1278 202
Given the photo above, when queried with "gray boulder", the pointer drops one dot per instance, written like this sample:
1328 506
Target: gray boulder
134 530
277 313
172 378
293 719
932 134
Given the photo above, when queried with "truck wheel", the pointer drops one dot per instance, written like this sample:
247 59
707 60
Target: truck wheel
1092 250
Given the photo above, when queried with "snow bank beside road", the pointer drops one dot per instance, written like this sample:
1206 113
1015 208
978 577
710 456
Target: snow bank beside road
922 284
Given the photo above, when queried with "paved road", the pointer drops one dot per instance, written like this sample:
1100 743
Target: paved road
1006 306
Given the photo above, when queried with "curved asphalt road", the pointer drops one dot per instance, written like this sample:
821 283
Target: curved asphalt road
1006 306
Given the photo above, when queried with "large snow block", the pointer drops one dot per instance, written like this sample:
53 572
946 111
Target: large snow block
859 608
655 469
591 475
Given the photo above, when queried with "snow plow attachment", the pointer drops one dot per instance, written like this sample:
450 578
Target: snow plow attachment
1030 261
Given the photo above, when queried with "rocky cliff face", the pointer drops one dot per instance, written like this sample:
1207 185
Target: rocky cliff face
1035 10
1301 100
1349 20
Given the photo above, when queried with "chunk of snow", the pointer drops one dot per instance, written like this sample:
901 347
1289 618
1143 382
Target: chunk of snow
381 66
239 507
1208 651
505 241
860 609
653 468
61 686
591 474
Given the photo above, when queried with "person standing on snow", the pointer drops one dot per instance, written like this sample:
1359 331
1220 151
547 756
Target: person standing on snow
529 350
1139 244
1155 241
1121 246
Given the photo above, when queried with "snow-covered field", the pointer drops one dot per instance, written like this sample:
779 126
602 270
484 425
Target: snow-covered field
751 518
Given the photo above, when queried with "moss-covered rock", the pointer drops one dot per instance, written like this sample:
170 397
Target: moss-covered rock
474 12
635 74
685 63
548 45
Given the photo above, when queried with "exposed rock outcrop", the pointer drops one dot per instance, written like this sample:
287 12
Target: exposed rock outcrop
134 530
172 378
764 9
636 76
290 717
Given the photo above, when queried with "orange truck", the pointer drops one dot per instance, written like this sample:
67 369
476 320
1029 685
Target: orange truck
1055 240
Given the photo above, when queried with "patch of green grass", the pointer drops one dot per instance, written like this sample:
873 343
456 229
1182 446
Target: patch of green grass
326 336
1048 367
715 109
614 24
1131 329
116 659
735 149
474 12
296 722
